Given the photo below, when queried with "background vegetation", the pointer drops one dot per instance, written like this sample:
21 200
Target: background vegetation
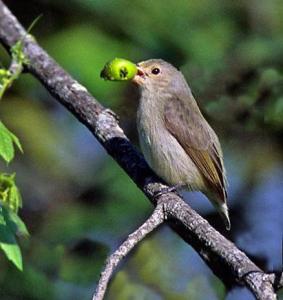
78 205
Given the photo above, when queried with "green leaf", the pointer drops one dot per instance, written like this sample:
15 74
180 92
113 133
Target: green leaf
13 253
16 224
16 141
2 219
7 138
8 242
6 144
15 199
9 192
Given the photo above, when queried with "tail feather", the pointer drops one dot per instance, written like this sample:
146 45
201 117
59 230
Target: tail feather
221 205
223 211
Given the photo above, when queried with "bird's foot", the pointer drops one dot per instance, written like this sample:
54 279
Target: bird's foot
167 189
111 112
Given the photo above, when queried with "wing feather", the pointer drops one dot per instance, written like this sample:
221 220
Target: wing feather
198 140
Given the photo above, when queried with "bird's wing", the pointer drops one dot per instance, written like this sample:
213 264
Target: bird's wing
196 137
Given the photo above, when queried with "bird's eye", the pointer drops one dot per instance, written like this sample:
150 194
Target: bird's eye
155 71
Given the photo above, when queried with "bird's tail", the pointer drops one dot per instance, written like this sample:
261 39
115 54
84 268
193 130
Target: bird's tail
222 208
224 213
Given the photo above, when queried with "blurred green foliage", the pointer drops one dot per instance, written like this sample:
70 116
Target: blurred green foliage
78 204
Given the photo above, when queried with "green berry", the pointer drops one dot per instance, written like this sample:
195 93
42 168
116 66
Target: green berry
119 69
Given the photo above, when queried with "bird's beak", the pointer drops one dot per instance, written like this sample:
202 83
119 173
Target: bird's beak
140 76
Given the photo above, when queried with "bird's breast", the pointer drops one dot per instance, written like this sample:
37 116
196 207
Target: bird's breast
163 152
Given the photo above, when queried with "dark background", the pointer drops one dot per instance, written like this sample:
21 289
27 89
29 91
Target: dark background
79 205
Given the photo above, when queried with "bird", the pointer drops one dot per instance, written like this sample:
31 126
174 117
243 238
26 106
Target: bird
175 139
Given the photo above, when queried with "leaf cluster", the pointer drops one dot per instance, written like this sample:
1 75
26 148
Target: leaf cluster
10 198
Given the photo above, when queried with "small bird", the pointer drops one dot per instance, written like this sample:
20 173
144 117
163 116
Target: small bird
176 140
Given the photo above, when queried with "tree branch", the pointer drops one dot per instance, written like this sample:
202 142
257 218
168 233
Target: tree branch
156 218
223 257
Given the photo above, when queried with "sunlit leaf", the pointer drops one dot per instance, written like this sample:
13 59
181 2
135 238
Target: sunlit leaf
9 192
7 138
13 253
6 144
15 198
16 142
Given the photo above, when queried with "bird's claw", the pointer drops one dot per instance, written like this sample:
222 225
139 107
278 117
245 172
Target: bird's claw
165 190
111 112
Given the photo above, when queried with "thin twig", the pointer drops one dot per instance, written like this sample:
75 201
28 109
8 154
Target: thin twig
156 218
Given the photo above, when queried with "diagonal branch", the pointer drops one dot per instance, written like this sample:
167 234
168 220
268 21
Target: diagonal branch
223 257
156 218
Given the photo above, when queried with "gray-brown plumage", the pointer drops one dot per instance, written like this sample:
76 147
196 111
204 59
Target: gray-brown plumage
176 140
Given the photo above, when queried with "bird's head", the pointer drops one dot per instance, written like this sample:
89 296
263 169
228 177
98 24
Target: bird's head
159 75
